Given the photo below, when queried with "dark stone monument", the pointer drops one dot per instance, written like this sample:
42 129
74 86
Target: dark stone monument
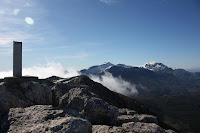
17 67
17 59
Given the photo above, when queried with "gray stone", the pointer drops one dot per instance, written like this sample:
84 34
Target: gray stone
86 102
124 111
146 118
45 118
131 127
136 118
38 93
11 97
100 129
140 127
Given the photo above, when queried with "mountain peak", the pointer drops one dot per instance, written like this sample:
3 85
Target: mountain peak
107 63
154 66
97 68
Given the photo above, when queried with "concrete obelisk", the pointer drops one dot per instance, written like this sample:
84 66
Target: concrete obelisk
17 59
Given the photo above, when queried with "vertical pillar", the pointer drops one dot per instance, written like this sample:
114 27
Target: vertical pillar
17 59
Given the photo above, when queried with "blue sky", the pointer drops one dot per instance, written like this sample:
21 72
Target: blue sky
81 33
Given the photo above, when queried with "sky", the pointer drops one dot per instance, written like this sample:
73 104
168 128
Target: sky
81 33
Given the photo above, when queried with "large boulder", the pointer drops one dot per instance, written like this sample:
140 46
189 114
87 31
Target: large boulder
83 99
12 96
104 93
130 127
140 127
37 92
45 118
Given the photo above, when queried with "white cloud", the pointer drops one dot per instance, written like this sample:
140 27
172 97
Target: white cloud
4 42
7 38
109 1
116 84
6 74
16 11
56 69
29 20
50 69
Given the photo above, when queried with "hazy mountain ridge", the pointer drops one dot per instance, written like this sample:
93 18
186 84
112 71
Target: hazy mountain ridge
159 70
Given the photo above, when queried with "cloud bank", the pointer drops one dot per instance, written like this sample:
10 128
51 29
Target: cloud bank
116 84
56 69
50 69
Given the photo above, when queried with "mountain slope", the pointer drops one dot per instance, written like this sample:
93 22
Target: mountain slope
173 94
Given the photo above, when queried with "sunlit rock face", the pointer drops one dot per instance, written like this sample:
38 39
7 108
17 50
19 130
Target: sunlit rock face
45 118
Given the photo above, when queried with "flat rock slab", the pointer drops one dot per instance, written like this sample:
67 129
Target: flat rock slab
124 111
45 118
131 127
136 118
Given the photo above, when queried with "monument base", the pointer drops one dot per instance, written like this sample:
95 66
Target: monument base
14 80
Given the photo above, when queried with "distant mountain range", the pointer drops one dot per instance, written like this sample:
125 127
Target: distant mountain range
173 94
152 73
153 66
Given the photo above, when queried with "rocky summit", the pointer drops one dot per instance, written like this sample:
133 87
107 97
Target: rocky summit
72 105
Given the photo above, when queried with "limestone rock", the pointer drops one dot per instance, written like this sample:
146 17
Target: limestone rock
136 118
45 118
140 127
146 118
84 100
38 93
124 111
12 96
131 127
100 129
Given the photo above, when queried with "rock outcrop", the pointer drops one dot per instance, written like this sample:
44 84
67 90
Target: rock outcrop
136 118
70 105
131 127
38 93
12 96
83 99
45 118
